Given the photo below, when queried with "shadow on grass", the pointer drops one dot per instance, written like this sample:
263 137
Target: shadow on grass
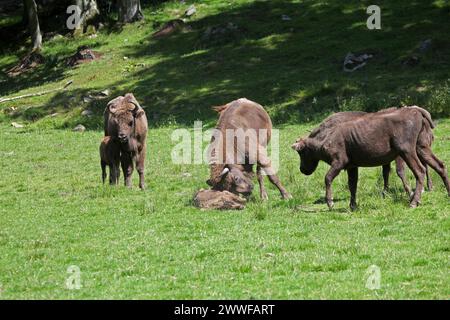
292 66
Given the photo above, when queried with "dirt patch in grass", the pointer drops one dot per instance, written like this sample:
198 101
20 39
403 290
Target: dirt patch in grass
27 63
83 55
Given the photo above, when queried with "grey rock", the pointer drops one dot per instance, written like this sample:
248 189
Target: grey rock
79 128
190 11
16 125
105 92
86 113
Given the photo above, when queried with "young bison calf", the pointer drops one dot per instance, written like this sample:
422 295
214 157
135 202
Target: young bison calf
110 156
374 139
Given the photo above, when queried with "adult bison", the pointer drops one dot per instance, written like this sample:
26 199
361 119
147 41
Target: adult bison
373 139
337 119
240 141
126 123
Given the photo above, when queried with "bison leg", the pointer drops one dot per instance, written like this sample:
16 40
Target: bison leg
331 174
127 168
429 181
418 170
265 163
140 165
103 165
353 186
262 189
428 157
386 172
400 169
114 173
116 169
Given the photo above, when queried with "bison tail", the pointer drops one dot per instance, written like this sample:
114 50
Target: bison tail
425 114
220 109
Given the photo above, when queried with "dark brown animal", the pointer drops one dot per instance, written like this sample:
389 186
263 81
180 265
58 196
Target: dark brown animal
126 123
110 156
231 168
337 119
373 139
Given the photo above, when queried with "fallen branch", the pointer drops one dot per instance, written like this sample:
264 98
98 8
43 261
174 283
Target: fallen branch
38 93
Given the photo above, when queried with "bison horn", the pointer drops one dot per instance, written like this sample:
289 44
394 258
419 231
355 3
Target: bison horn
224 172
112 105
132 100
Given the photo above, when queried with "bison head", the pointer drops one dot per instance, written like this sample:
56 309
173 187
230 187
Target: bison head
233 179
308 162
123 114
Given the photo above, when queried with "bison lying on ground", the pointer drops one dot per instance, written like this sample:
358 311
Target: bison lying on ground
337 119
222 200
373 139
110 156
126 123
233 156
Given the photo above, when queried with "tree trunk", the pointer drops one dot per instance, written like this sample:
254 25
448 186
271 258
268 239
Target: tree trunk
89 10
33 24
130 11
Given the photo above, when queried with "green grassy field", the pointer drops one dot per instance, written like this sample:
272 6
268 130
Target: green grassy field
155 244
54 212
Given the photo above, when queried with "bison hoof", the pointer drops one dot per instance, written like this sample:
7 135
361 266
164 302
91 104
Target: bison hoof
287 196
330 204
353 207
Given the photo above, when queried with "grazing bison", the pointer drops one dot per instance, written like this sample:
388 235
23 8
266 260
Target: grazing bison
337 119
126 123
373 139
233 156
110 156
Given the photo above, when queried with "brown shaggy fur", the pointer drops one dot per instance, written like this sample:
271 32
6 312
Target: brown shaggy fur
110 156
222 200
126 123
243 115
337 119
374 139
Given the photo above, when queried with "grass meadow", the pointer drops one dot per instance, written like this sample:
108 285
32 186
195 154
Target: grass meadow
154 244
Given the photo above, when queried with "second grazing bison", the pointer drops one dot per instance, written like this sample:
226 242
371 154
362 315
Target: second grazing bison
373 139
240 141
126 123
337 119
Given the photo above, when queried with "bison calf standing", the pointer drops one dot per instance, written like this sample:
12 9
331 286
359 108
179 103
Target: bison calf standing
374 139
110 156
126 123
